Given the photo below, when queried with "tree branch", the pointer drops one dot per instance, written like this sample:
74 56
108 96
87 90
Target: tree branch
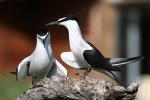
62 88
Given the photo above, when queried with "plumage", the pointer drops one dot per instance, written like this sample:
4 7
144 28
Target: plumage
39 64
60 69
22 69
69 59
123 61
85 55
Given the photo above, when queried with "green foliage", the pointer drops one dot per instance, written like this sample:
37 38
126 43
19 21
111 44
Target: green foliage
10 88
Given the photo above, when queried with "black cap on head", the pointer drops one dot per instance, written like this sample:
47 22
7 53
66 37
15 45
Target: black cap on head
43 31
63 19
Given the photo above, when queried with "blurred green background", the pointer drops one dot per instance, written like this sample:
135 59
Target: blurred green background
10 88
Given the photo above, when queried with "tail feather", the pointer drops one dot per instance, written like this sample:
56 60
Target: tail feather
117 79
13 73
123 61
114 68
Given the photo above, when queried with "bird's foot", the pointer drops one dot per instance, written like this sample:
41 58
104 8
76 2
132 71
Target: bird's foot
82 75
77 73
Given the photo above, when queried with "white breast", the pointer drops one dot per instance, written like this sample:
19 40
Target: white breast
78 50
40 62
76 42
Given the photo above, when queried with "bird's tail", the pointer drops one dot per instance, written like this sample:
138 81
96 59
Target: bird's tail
13 73
117 79
123 61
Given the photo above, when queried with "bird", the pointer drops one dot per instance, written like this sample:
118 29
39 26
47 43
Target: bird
42 62
84 54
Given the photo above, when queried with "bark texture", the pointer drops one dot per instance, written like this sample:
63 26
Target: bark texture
65 88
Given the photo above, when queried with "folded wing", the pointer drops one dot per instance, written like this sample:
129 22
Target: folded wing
69 59
60 69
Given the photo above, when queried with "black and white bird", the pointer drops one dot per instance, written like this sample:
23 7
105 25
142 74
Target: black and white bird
41 63
84 54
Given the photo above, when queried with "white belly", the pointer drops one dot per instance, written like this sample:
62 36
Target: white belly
78 46
40 63
78 54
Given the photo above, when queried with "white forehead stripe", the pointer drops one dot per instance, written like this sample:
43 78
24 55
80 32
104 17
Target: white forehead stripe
61 18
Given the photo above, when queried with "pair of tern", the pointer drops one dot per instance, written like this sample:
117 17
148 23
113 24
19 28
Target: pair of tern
83 55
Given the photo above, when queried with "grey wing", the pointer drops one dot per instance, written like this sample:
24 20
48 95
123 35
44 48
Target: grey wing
23 68
69 59
60 69
57 68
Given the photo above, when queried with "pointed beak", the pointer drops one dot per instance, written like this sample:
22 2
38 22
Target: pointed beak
43 38
38 36
52 23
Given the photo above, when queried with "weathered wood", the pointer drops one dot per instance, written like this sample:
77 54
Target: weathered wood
62 88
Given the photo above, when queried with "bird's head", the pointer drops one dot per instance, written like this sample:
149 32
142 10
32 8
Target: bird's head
65 21
44 37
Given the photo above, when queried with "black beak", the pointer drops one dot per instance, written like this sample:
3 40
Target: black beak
43 31
43 40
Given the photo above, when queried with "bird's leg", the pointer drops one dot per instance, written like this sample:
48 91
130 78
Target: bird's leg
34 80
82 75
86 72
78 73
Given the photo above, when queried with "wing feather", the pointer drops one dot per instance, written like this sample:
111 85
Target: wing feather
123 61
60 69
95 58
69 59
23 68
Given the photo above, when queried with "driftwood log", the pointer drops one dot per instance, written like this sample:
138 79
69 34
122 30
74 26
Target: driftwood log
62 88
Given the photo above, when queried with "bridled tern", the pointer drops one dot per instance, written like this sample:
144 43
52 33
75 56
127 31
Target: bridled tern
41 63
84 54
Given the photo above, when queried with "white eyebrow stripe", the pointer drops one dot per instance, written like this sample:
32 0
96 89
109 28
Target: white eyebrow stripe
61 18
